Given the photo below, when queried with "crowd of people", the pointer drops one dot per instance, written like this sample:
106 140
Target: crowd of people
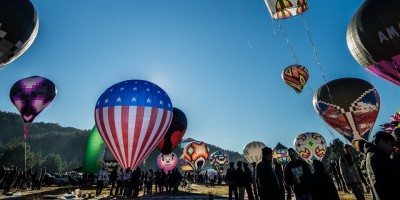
14 177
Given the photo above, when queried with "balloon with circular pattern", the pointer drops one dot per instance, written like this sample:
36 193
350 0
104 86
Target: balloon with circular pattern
219 161
196 154
310 146
252 151
19 25
167 162
132 116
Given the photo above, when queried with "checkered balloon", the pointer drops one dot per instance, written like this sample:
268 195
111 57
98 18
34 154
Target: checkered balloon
19 25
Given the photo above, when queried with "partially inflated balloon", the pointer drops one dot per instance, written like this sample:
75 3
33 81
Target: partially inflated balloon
282 9
310 146
196 154
184 164
132 116
175 132
252 152
373 37
219 161
31 95
281 154
167 162
94 152
295 76
19 26
348 105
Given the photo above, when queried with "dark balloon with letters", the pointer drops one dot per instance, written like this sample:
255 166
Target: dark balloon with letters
175 132
373 37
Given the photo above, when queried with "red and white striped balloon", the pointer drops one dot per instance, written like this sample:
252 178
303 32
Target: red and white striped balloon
132 117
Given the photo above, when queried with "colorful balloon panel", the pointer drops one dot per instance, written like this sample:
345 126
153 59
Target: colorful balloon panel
282 9
348 105
252 151
32 95
175 132
295 76
310 146
167 162
373 38
196 154
185 166
281 154
19 25
132 116
219 161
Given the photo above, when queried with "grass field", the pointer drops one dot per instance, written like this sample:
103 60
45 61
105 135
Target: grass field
195 192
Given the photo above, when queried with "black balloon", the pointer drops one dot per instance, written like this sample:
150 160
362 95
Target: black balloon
175 132
373 37
19 25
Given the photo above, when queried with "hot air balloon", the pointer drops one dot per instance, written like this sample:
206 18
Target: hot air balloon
167 162
132 116
196 154
252 152
95 149
310 146
282 9
19 25
30 96
295 76
175 132
281 154
184 164
219 161
348 105
373 37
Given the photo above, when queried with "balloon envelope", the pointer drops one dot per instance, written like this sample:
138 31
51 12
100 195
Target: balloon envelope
32 95
282 9
295 76
373 37
167 162
94 152
348 105
19 25
132 116
281 154
184 164
310 146
252 152
219 161
175 132
196 154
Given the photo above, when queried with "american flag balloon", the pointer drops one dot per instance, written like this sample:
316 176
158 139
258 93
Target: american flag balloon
132 116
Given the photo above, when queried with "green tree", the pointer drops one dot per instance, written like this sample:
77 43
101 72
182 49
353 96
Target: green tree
74 164
53 163
14 154
336 149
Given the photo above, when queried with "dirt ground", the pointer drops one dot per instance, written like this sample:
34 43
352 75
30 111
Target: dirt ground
195 192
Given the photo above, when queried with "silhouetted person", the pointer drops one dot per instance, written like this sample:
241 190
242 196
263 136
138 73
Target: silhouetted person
113 180
298 174
351 173
100 181
248 181
231 179
267 181
324 187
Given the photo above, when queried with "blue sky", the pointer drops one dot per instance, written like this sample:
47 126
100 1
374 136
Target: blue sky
219 61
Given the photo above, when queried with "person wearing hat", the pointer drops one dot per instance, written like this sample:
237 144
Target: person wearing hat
267 182
298 174
383 172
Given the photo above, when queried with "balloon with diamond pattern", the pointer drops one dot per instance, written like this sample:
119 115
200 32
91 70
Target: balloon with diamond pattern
310 146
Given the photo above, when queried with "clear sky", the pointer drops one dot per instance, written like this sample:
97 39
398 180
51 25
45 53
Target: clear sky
220 62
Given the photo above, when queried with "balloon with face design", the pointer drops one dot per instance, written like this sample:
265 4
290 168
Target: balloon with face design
167 162
175 132
196 154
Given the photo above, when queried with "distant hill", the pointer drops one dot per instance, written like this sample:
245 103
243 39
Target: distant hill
66 142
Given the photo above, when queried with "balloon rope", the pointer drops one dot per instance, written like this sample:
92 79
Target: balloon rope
287 42
26 132
327 127
308 113
316 55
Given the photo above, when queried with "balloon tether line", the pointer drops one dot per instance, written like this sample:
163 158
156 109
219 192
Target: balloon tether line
288 43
